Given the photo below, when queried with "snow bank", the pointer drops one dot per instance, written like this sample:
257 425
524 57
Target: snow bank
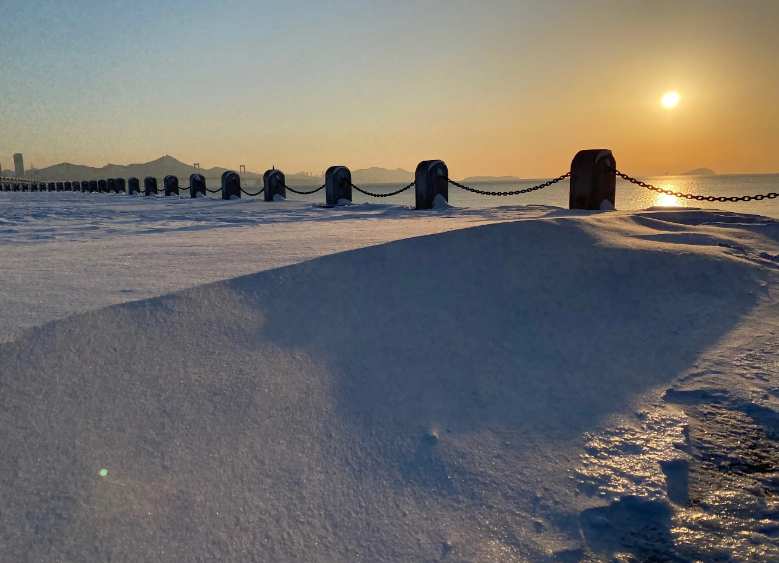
425 399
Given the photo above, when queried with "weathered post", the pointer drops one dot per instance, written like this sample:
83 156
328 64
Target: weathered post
110 185
76 186
60 187
133 186
52 186
121 186
102 186
171 185
150 186
593 181
17 187
274 183
338 185
231 185
431 183
197 185
67 186
85 185
92 186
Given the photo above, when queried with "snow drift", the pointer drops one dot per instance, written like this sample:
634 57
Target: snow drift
415 401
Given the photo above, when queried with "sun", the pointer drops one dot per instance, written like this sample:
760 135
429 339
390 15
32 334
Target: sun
670 99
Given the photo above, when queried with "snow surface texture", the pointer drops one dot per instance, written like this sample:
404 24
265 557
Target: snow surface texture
65 253
599 387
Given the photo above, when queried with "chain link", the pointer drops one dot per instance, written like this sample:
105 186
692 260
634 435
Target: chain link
515 192
286 187
401 190
216 191
711 198
251 194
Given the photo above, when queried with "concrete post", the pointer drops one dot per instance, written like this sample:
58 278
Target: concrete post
150 186
197 185
110 185
431 181
274 181
59 186
102 186
121 186
92 186
34 187
84 185
231 185
338 185
67 186
593 182
171 184
133 186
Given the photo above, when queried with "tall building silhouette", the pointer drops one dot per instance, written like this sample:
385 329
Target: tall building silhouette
19 165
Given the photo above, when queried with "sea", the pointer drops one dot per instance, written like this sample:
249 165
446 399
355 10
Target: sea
629 197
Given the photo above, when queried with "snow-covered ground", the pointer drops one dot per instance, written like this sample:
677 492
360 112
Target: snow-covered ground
545 386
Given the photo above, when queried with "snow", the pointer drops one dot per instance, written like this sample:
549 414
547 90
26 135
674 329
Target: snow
278 197
439 202
305 384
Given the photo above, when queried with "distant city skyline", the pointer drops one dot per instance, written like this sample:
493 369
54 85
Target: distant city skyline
502 87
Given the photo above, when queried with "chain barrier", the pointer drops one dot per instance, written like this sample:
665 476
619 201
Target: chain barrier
216 191
515 192
286 187
698 197
251 194
401 190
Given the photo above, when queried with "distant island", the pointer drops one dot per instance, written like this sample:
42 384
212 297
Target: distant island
700 172
490 179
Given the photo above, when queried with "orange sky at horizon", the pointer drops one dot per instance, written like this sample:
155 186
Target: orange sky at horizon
492 88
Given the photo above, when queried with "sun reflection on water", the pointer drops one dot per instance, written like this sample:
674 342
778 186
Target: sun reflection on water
665 200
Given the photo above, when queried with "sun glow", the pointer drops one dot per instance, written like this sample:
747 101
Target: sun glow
670 99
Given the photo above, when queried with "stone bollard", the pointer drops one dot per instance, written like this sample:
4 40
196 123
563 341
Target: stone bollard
197 185
92 186
102 186
133 186
171 185
67 186
84 185
431 181
231 185
76 186
593 182
150 186
273 182
338 185
17 187
59 187
120 185
111 185
34 187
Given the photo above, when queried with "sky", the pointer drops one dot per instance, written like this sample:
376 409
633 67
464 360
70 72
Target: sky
492 87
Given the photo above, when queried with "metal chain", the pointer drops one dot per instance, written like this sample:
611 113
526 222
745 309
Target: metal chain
515 192
721 199
251 194
401 190
214 191
286 187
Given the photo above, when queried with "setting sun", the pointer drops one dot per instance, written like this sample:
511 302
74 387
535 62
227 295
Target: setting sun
671 99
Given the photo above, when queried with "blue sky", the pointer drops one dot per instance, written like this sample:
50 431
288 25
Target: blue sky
493 87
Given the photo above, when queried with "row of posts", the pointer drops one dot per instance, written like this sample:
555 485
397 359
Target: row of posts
592 185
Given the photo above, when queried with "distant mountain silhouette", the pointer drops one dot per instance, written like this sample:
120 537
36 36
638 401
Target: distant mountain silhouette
700 172
382 176
168 165
158 168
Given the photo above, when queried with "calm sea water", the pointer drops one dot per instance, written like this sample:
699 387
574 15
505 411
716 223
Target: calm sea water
629 196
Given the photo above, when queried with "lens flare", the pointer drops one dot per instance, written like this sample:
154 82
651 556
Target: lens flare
671 99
